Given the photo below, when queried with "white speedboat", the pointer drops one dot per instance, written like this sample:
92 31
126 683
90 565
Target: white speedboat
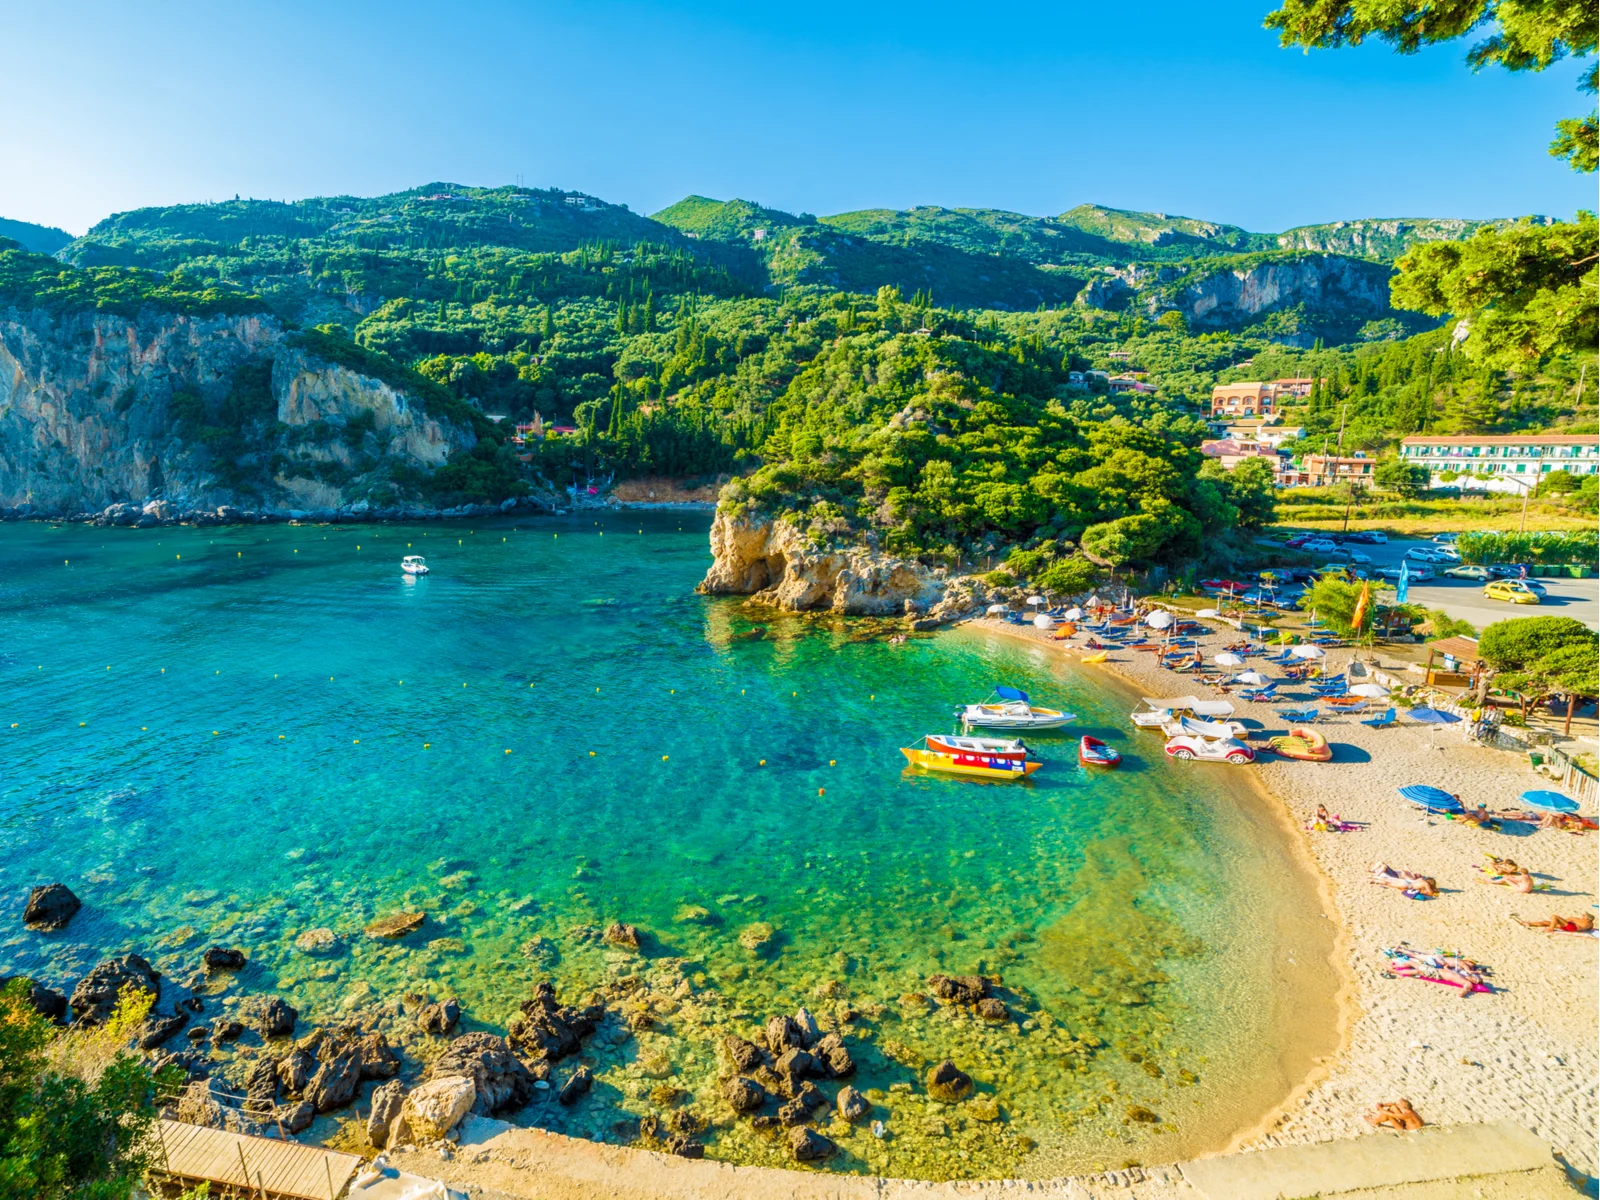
1012 710
413 564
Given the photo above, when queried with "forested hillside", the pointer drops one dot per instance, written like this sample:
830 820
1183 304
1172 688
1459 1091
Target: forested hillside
41 239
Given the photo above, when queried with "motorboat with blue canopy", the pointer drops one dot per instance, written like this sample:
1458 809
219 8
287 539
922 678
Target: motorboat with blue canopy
1011 708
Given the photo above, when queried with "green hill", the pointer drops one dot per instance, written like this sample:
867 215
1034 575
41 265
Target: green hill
41 239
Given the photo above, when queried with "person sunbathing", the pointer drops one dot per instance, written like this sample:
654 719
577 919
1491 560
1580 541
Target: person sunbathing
1503 866
1397 1114
1559 924
1408 882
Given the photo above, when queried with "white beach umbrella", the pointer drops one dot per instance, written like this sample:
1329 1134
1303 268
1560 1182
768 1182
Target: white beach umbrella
1206 612
1035 599
1253 678
1372 691
1043 620
1074 614
1308 652
1159 619
1228 659
1094 600
996 608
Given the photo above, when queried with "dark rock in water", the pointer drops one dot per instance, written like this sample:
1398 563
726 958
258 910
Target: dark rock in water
576 1086
226 1031
832 1054
793 1112
157 1028
649 1126
501 1080
782 1034
625 936
766 1126
395 925
806 1026
337 1080
947 1083
50 907
959 989
261 1086
294 1071
792 1067
198 1033
807 1145
193 1065
193 1003
439 1018
274 1018
684 1146
386 1101
221 958
378 1059
810 1095
49 1004
851 1104
686 1120
95 998
743 1094
991 1009
297 1117
549 1029
746 1056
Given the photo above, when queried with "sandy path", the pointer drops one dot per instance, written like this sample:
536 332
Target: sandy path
1529 1052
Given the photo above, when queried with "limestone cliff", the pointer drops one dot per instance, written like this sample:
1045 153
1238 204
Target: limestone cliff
1323 281
770 561
98 409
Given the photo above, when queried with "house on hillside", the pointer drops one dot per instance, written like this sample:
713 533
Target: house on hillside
1256 399
1512 463
1323 470
1231 452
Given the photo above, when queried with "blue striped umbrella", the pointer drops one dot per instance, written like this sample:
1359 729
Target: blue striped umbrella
1550 801
1431 798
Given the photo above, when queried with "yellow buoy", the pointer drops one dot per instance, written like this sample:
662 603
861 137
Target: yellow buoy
66 562
108 668
144 729
508 752
663 758
427 745
591 753
180 556
216 733
280 737
832 763
238 553
81 724
763 762
355 741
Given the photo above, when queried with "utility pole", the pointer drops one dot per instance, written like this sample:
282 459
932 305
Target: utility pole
1527 490
1342 408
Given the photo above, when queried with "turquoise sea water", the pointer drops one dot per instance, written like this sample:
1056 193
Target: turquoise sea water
237 735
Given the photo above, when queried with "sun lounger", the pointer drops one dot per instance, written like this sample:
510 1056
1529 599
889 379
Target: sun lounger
1382 722
1258 693
1305 715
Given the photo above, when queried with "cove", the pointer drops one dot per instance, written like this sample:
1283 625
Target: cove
236 735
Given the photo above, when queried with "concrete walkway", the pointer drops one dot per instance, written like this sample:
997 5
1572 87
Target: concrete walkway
1502 1161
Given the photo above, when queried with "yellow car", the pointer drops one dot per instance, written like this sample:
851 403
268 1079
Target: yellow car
1512 591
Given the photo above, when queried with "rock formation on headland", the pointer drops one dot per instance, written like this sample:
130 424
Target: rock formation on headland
771 561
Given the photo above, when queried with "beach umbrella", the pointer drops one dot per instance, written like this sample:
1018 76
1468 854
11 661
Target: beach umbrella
1431 798
1074 614
1043 620
1035 599
1553 802
1094 600
1228 659
1253 678
1308 651
1372 691
1206 612
996 608
1159 619
1432 716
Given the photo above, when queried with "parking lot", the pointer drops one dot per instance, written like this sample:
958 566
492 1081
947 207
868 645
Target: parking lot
1464 598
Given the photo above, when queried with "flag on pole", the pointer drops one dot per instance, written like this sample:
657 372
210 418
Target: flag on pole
1402 587
1361 609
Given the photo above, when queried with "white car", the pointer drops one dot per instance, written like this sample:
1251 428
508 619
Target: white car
1320 546
1431 554
1344 554
1418 573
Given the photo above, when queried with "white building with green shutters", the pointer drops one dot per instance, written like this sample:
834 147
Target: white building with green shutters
1508 463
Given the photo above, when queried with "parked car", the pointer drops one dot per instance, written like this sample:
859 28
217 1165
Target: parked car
1189 747
1346 554
1446 539
1507 570
1319 546
1470 571
1420 572
1368 537
1512 591
1429 554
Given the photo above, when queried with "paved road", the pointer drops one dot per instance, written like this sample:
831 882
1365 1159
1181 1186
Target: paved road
1464 598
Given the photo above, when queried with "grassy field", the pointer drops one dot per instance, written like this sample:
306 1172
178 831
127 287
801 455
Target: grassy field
1412 518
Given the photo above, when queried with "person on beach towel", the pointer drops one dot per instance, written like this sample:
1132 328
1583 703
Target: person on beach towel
1395 1114
1559 924
1409 882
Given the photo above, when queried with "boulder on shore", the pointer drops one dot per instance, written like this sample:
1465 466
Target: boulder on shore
498 1077
433 1109
274 1018
96 996
386 1102
337 1080
224 958
50 907
851 1104
576 1086
744 1094
807 1145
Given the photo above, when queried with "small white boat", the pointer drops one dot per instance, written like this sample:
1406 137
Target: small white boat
1206 729
413 564
1013 711
945 743
1158 714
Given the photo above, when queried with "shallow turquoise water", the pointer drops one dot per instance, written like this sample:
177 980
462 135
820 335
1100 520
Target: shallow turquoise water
241 734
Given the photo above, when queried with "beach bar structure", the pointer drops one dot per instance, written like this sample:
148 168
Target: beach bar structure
234 1164
1460 655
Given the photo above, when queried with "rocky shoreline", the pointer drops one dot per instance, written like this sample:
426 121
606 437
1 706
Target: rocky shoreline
152 514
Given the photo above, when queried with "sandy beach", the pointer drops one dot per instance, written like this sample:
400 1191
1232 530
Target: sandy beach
1526 1053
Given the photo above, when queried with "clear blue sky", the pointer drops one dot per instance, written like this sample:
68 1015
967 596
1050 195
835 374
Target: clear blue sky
1180 107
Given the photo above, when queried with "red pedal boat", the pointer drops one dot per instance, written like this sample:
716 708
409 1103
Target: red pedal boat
1092 752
